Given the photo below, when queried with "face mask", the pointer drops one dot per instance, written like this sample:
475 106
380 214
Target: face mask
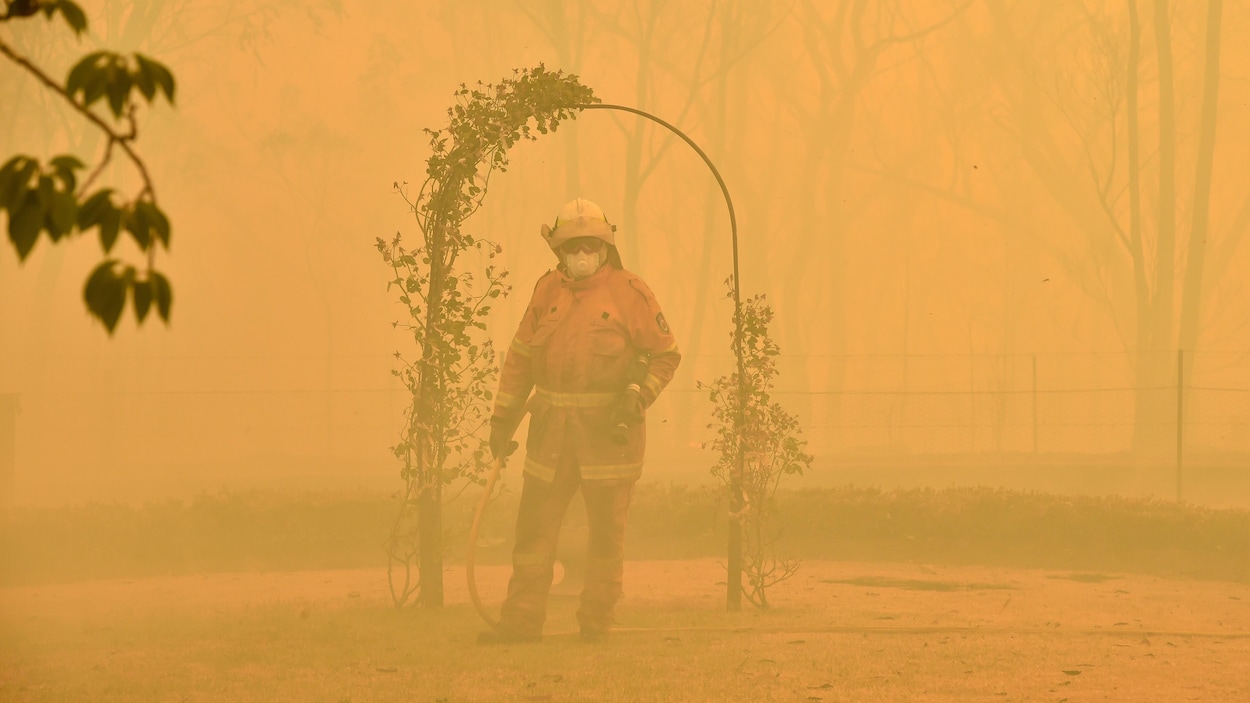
582 264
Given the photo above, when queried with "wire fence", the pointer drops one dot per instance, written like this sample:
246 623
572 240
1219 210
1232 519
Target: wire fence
334 419
1072 404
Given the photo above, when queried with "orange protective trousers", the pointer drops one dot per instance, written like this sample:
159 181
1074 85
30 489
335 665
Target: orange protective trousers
542 509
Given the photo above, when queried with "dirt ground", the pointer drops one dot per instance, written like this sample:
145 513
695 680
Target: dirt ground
837 631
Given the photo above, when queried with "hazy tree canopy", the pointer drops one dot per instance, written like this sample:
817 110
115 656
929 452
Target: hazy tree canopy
923 189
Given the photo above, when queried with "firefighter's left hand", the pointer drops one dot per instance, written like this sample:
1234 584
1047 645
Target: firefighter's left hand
631 408
501 431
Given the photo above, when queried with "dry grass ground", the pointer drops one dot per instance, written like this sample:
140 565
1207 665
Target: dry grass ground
840 631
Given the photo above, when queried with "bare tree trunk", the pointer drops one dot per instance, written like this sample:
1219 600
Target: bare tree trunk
1142 430
568 43
1134 182
635 138
818 253
733 561
1191 302
429 459
430 528
1154 366
714 224
1165 258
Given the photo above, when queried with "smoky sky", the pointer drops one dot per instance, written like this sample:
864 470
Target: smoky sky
935 198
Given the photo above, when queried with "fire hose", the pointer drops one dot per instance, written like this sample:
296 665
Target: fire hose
492 476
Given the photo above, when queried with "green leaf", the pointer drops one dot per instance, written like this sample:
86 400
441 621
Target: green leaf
139 231
105 294
110 227
65 172
143 299
118 88
143 79
46 190
136 222
67 163
20 9
73 15
157 220
94 208
25 223
96 86
163 293
159 74
82 73
14 176
62 215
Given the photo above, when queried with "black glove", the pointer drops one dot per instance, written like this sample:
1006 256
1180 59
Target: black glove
501 431
629 411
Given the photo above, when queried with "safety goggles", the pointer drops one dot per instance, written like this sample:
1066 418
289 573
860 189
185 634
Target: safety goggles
583 245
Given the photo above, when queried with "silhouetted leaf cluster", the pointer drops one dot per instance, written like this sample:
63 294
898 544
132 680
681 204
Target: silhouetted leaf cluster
49 198
70 11
106 74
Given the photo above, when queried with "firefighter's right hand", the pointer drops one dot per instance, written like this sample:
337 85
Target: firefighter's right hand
501 444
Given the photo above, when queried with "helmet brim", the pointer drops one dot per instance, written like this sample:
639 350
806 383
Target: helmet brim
579 227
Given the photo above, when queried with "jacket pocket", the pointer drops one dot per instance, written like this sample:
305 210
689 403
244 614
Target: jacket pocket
609 355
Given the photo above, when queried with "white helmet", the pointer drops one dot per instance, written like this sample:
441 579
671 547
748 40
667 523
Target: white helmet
579 218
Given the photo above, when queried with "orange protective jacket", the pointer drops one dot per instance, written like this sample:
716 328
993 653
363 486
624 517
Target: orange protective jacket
572 349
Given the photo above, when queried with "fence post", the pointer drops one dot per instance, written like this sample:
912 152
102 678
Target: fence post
1035 403
1180 419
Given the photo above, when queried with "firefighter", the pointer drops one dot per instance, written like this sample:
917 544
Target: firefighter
595 349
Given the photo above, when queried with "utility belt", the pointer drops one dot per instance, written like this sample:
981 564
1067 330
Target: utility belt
559 399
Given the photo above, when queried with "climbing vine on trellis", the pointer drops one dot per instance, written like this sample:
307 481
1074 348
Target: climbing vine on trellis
447 296
759 444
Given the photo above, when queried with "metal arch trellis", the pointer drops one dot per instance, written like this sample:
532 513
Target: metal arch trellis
733 591
733 595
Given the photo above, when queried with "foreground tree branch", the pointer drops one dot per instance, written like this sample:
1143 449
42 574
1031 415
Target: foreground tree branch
47 198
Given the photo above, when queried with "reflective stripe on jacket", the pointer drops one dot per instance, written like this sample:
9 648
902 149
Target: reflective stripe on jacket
572 349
